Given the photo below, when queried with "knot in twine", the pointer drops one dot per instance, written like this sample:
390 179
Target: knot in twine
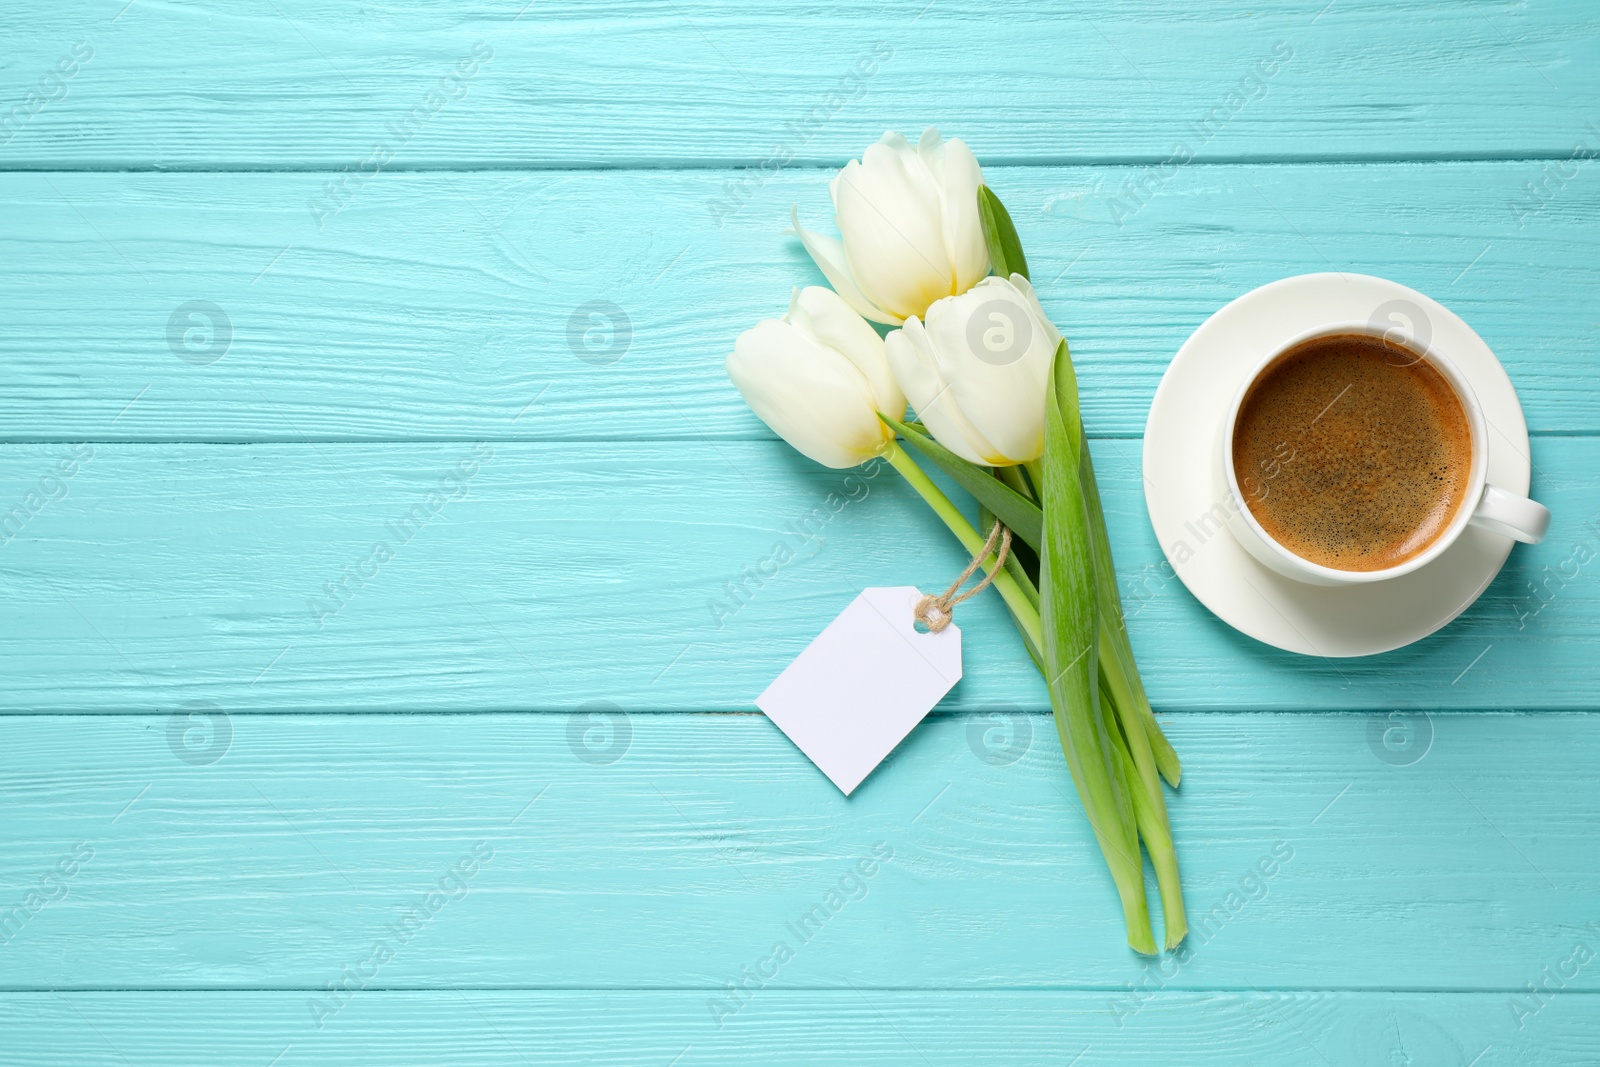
935 612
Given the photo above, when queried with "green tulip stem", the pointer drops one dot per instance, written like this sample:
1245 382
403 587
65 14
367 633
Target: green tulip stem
1036 474
1026 613
1013 477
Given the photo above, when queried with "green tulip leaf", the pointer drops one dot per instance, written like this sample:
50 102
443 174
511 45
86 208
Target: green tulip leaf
1012 508
1005 248
1069 617
1065 396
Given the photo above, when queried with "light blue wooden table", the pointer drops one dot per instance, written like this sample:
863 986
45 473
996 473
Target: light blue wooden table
283 282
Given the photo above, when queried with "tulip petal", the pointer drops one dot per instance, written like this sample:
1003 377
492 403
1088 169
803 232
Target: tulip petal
811 396
888 211
897 141
1025 287
959 179
890 138
917 368
1003 400
829 255
836 324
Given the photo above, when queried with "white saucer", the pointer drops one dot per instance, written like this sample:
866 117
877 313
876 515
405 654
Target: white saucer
1182 439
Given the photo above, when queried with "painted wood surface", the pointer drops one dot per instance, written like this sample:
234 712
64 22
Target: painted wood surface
326 577
658 852
273 273
546 83
467 1028
600 305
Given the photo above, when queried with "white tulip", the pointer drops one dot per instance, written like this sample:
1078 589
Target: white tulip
819 377
976 372
910 226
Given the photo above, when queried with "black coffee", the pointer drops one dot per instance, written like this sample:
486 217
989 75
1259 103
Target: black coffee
1352 452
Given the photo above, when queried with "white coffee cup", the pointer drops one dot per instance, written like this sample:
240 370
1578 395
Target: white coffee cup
1505 513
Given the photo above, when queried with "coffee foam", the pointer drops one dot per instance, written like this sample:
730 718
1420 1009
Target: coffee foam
1352 453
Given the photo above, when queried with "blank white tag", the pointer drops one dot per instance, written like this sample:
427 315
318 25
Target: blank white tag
859 688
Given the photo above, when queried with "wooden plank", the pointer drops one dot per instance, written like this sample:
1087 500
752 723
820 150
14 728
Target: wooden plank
435 83
917 1029
1313 857
474 306
503 576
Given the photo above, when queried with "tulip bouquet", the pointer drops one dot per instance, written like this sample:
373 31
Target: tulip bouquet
996 401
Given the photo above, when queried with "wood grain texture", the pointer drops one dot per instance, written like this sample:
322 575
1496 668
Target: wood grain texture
811 1029
656 576
621 83
458 306
241 744
690 852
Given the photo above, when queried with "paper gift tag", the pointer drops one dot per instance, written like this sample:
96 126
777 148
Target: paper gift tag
859 688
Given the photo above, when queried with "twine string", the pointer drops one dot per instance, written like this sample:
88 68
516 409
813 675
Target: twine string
935 612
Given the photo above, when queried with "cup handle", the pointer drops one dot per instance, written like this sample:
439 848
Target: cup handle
1511 515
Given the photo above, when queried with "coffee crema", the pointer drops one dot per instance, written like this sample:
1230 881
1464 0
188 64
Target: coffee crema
1352 453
